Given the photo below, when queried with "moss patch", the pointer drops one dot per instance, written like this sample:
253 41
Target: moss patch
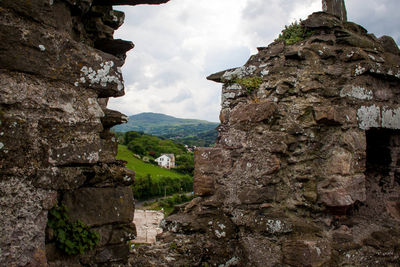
250 83
294 33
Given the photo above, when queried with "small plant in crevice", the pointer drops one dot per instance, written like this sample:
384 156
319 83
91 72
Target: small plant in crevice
173 246
250 83
71 237
294 33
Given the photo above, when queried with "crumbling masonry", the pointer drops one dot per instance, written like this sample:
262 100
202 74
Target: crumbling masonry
59 64
306 169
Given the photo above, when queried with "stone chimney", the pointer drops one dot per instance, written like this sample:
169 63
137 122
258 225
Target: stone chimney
335 7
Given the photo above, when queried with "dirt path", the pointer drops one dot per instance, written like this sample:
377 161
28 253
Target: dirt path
147 225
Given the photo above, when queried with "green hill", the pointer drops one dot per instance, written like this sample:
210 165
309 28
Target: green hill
142 168
153 181
150 147
187 131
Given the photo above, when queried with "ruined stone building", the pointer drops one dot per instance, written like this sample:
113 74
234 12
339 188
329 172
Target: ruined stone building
59 64
306 170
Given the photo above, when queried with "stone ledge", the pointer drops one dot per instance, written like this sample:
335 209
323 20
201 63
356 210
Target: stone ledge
99 206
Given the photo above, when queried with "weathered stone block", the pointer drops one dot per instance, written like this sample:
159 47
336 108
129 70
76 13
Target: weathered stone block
64 178
22 217
256 165
99 206
256 195
254 112
273 142
334 115
209 163
18 135
351 39
56 14
269 257
320 20
272 50
335 7
204 184
63 102
112 254
109 175
122 233
339 191
356 92
109 150
389 45
59 58
355 140
82 152
313 253
339 162
212 160
233 139
112 118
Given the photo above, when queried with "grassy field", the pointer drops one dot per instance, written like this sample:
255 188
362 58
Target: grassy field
141 168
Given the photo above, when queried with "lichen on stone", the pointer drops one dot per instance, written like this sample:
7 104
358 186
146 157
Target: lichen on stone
101 76
357 92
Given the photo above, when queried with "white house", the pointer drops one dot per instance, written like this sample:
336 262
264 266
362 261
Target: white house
166 161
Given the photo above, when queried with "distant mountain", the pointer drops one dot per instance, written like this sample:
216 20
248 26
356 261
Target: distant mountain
187 131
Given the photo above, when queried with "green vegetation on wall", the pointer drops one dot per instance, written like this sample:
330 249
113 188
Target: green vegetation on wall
250 83
294 33
70 237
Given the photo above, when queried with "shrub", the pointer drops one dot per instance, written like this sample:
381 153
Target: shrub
71 238
136 148
147 187
250 83
294 33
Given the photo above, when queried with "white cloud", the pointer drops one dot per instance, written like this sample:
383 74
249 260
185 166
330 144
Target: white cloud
379 17
178 44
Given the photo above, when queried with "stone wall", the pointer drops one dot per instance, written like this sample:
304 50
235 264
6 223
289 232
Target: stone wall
305 171
59 64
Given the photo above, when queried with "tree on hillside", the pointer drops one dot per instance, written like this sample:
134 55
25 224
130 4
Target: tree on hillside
136 148
129 136
185 163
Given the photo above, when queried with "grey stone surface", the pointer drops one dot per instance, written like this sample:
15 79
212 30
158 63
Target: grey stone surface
100 206
335 7
58 65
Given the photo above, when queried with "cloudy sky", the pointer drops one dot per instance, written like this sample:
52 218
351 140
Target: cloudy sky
178 44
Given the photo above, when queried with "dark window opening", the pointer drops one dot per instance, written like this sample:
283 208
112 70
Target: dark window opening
397 177
383 159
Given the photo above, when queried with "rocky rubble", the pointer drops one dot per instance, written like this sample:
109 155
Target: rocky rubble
59 64
305 171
